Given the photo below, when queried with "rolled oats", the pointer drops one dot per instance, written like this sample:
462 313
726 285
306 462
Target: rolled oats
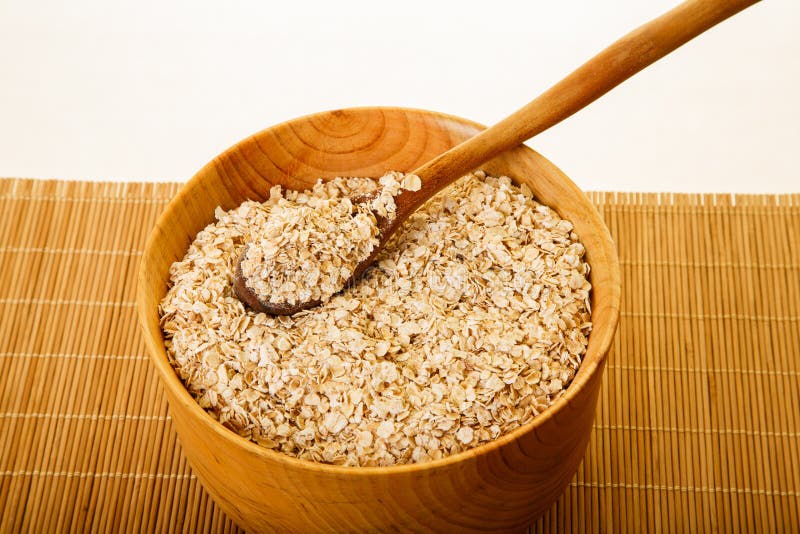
311 244
472 321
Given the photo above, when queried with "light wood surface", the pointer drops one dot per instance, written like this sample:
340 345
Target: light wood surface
696 427
503 485
624 58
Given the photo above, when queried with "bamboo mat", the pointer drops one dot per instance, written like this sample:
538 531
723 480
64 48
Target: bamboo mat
698 424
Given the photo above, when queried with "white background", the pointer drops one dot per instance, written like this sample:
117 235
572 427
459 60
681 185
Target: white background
152 90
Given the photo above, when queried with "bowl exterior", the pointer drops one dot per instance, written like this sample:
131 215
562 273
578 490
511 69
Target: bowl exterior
501 486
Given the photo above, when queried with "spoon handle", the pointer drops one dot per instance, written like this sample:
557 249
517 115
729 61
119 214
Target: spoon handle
624 58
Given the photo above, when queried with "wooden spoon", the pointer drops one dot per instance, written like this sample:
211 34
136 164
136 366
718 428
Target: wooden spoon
603 72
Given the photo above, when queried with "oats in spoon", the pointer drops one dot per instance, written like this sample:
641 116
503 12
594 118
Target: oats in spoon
311 245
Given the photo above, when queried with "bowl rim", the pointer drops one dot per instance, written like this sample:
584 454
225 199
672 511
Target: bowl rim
590 365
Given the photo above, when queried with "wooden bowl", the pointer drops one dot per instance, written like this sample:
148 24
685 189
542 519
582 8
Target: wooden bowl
503 485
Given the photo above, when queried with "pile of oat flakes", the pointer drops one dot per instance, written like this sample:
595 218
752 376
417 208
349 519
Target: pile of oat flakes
472 321
310 245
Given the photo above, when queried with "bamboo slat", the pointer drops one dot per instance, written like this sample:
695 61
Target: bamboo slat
698 424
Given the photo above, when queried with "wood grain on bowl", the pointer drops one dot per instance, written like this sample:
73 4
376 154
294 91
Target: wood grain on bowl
503 485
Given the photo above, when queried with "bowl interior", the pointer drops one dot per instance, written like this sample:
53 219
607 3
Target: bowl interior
363 142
